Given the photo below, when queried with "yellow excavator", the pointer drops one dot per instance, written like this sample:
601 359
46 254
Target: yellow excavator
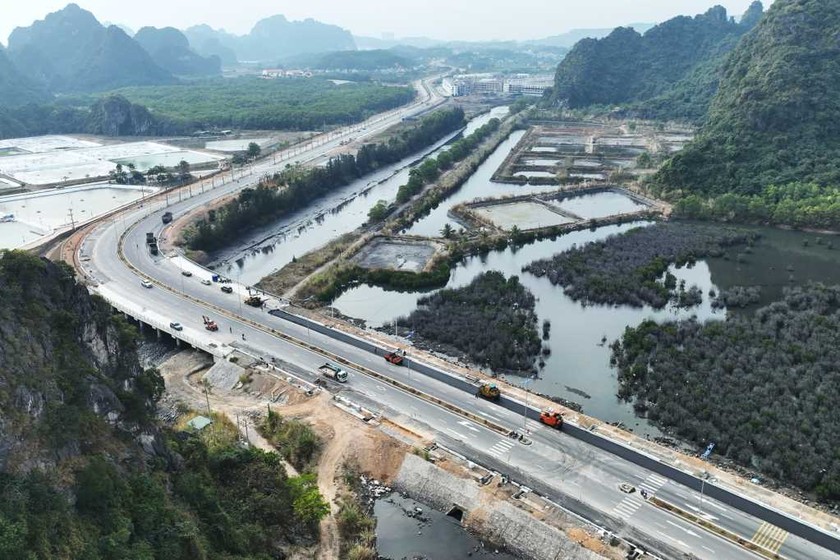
489 391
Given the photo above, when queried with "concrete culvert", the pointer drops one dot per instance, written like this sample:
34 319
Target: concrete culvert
456 512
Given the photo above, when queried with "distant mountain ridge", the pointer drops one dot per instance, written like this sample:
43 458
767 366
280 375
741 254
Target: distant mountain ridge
627 67
170 49
69 50
271 39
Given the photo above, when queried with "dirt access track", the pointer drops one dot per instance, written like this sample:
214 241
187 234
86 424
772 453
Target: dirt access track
377 449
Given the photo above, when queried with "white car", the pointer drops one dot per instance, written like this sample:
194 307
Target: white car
146 284
206 282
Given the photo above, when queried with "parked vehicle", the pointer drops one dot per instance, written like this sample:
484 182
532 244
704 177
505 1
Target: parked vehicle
176 326
227 289
167 217
209 324
206 282
254 301
186 273
333 372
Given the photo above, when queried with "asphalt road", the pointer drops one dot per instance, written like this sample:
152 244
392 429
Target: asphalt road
566 470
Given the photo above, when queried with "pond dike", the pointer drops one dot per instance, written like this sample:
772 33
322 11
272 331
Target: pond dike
492 519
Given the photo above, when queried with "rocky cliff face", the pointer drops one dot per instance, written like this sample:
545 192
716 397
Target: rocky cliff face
69 373
116 116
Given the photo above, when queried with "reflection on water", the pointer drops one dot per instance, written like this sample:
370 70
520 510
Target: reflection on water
599 205
431 535
579 360
267 250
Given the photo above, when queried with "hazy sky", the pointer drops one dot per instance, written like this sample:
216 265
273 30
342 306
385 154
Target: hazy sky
440 19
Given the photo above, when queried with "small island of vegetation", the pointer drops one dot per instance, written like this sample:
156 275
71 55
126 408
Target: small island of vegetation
632 269
492 321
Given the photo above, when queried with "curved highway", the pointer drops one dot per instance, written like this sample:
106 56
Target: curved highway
114 259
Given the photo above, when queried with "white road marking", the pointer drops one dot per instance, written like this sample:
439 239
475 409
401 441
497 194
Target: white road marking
683 529
703 514
468 426
456 434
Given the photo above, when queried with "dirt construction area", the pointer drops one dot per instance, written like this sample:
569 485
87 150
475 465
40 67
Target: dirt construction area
374 452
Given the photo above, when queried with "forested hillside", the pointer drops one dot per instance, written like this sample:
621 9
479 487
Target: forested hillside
15 88
773 121
70 50
677 60
84 470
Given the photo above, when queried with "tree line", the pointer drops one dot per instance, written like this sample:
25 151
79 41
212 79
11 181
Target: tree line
800 205
431 168
632 268
763 387
296 187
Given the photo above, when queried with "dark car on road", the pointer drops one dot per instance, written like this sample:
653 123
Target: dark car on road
227 289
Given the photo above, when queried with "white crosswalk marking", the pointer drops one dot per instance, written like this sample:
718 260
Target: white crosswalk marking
502 447
633 502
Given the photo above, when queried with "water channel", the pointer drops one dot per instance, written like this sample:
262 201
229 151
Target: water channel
269 249
578 368
433 535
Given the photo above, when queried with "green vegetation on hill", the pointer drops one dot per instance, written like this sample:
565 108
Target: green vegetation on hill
297 187
251 103
110 115
763 387
774 117
632 268
84 470
15 88
501 307
675 64
799 205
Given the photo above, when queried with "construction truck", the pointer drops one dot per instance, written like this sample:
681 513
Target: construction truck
209 324
551 418
489 391
151 242
167 217
394 358
333 372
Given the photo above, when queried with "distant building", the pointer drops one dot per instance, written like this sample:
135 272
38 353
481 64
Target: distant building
489 84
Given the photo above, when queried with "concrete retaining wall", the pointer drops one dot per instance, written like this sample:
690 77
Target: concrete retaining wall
497 521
